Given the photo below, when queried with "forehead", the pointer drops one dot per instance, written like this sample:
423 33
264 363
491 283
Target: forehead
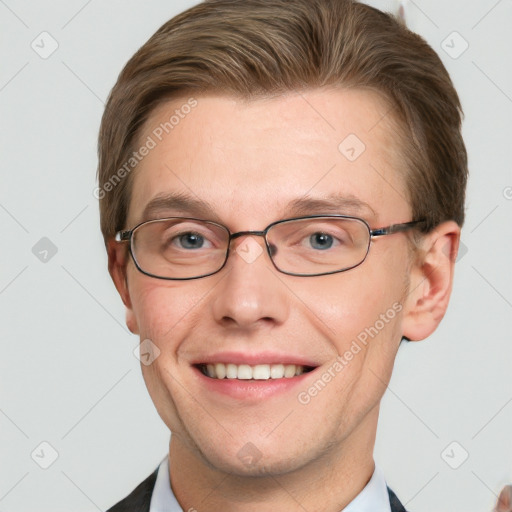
251 160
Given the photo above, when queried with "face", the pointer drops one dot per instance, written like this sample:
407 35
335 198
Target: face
249 163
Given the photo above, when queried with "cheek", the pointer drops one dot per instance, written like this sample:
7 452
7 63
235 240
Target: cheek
364 303
352 305
164 310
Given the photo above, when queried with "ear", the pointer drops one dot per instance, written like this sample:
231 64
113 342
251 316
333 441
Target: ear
118 258
431 279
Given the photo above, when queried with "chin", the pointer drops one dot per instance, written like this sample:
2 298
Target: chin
250 461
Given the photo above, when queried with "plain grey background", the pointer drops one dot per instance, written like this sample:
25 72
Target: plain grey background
69 378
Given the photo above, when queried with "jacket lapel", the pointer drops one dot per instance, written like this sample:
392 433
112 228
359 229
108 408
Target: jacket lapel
396 506
139 499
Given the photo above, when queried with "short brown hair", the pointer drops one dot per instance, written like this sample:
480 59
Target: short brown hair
256 48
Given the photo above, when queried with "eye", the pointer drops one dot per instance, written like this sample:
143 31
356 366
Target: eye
321 241
189 240
188 236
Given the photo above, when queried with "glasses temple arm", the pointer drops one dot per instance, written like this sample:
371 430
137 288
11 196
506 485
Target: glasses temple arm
395 228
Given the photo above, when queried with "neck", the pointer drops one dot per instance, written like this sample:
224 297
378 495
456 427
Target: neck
326 484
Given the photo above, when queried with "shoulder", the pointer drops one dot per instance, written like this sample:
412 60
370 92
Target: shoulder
139 499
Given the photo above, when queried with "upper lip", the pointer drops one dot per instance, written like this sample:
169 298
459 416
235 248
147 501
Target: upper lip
254 359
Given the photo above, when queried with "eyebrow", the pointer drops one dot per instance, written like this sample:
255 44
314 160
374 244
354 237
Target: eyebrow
184 204
333 203
180 203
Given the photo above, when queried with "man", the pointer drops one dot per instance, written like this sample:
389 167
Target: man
281 190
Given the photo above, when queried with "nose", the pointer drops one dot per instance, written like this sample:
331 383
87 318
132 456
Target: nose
250 293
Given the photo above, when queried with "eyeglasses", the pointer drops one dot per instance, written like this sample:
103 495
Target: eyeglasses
180 248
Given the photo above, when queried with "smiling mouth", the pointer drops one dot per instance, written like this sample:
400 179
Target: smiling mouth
253 372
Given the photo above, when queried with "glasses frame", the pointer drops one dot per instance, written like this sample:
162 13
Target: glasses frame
127 236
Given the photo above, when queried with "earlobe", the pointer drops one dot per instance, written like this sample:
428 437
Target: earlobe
131 321
431 280
117 262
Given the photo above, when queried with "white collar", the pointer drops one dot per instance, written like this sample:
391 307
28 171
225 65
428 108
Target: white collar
163 499
373 498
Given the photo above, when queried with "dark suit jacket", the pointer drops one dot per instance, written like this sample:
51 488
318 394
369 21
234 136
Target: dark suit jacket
140 498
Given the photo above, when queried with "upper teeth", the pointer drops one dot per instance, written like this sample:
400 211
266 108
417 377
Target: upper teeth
257 372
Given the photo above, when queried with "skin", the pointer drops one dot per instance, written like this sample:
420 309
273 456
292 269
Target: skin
504 503
248 160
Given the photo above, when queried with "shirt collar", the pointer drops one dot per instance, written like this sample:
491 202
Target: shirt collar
163 499
373 498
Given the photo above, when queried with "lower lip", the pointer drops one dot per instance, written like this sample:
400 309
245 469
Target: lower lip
250 389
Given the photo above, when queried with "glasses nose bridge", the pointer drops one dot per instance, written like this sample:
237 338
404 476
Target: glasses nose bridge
238 234
234 236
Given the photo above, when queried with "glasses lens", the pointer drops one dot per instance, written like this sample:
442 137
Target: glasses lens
318 246
180 248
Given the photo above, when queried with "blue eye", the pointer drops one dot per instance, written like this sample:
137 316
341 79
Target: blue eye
191 240
321 241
